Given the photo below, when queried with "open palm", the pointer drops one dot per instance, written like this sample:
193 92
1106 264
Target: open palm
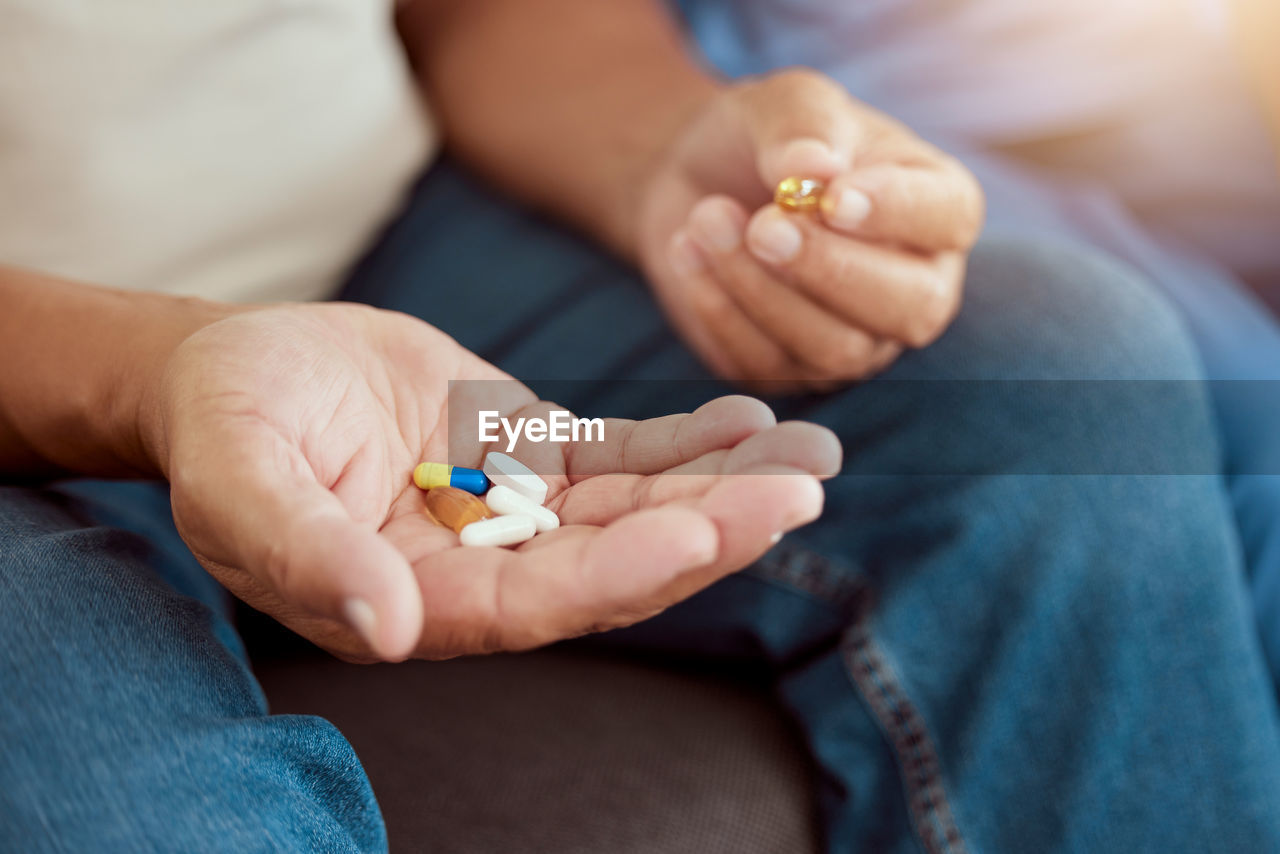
289 435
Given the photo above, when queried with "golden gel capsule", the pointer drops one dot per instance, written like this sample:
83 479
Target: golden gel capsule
455 508
799 194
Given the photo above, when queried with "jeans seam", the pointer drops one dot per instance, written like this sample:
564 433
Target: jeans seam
904 727
810 573
818 576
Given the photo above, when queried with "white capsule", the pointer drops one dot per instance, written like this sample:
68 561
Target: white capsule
510 472
505 501
500 531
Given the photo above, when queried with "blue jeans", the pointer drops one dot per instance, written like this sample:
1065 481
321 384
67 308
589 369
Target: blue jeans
991 641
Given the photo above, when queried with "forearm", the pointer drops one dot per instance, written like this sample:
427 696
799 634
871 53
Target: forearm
76 363
566 103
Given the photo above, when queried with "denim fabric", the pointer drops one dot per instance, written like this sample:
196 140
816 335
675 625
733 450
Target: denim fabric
986 658
130 720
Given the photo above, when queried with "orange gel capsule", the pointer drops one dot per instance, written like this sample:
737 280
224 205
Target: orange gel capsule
799 194
455 508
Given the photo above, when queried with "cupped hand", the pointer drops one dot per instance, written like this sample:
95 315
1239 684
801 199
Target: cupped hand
780 299
289 436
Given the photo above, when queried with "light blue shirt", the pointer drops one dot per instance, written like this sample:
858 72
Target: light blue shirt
1139 99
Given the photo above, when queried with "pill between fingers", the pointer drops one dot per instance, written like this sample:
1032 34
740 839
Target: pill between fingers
799 194
773 237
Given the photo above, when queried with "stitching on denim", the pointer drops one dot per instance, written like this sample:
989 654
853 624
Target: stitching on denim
902 723
917 757
811 573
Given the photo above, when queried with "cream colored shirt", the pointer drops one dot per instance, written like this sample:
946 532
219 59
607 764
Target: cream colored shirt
234 149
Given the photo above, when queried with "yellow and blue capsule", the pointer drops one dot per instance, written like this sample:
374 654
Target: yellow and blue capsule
428 475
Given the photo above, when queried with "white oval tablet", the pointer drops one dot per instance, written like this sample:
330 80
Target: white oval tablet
505 501
513 474
499 531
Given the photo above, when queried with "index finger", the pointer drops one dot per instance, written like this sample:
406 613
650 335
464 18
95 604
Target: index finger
658 444
884 290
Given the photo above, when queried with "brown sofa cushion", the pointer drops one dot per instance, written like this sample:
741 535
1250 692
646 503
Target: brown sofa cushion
562 751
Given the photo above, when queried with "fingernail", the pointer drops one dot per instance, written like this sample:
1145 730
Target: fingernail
684 256
775 539
715 231
361 617
705 556
775 240
846 208
808 155
800 519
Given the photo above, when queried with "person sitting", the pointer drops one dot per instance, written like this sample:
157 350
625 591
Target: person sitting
1003 632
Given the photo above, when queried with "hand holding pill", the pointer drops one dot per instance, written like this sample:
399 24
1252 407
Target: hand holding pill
798 238
296 490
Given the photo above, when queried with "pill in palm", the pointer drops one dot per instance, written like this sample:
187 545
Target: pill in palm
799 194
501 531
431 475
505 501
455 508
513 474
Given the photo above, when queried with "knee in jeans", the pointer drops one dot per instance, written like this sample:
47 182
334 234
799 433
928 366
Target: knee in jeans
162 782
1109 378
1044 309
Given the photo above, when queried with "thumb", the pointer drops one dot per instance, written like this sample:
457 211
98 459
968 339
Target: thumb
324 561
297 539
802 123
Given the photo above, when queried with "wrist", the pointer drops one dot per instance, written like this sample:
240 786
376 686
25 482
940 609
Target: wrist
566 104
666 122
79 371
140 433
